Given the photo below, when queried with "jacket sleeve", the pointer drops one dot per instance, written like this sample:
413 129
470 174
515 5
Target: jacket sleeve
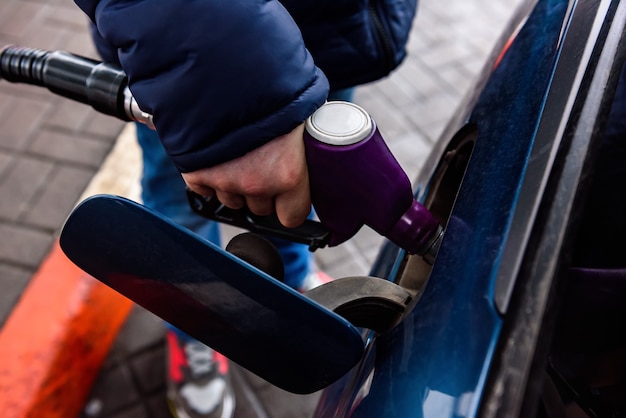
221 77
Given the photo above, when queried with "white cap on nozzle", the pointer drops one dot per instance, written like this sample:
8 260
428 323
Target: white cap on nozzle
339 123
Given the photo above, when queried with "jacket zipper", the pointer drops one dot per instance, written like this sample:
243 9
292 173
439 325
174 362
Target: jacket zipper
382 37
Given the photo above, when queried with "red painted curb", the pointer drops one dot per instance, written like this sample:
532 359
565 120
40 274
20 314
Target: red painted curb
54 342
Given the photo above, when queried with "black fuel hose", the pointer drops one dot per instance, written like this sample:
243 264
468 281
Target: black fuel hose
100 85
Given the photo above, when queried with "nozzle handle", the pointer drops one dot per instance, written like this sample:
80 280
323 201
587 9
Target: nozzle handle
355 180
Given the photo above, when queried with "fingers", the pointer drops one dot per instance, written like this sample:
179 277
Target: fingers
231 200
261 206
291 207
294 206
201 189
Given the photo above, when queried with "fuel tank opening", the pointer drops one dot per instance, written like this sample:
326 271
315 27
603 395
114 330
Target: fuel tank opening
441 194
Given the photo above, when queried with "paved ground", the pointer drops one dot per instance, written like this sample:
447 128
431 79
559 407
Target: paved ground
51 148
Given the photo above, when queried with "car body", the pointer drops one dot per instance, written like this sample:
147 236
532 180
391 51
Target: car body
508 179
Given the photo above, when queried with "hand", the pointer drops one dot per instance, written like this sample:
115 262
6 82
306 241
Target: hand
271 178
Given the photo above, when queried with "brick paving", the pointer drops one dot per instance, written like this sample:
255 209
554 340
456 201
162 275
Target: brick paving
51 148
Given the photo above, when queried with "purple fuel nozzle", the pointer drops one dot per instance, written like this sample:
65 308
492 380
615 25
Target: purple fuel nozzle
356 181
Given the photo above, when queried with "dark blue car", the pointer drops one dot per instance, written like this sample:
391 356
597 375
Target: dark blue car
523 312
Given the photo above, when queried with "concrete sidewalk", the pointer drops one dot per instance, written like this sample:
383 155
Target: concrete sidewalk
51 149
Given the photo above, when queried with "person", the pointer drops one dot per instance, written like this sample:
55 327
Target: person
230 84
191 363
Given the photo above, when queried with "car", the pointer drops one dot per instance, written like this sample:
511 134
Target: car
515 318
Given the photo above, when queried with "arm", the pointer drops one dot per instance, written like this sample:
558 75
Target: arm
223 79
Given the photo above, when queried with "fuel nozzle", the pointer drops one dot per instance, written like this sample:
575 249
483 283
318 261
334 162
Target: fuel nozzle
355 180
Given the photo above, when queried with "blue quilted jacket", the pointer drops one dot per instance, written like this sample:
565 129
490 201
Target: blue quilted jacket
223 77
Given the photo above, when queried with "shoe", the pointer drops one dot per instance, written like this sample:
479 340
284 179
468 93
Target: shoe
313 280
198 384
